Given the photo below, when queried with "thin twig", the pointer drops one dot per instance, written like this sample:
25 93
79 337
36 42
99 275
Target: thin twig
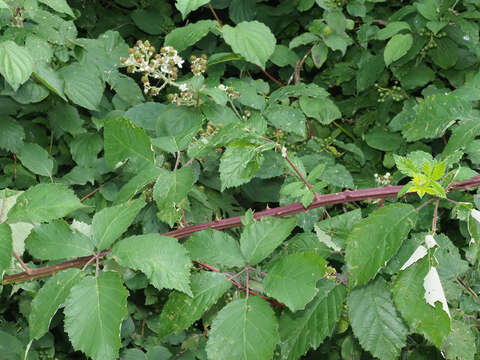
424 204
458 280
296 72
177 162
215 14
22 264
435 216
270 76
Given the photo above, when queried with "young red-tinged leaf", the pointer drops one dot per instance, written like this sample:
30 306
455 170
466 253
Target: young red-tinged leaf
49 299
161 258
94 311
181 310
110 223
374 240
244 330
375 321
308 328
259 239
292 279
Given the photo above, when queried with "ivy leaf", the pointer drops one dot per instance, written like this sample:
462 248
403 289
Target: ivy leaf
374 240
83 85
181 311
239 163
292 279
123 139
56 240
161 258
375 321
94 311
44 202
11 134
6 247
110 223
49 299
260 238
248 326
409 296
252 40
36 159
308 328
435 115
215 248
187 6
16 63
397 47
186 36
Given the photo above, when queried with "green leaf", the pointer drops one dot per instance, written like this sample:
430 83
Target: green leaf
434 116
94 311
49 299
260 238
409 296
308 328
6 247
292 279
324 110
381 139
187 6
397 47
85 148
319 54
36 159
239 163
242 10
60 6
137 183
44 202
374 240
83 86
303 39
161 258
252 40
16 63
123 139
183 37
50 79
215 248
153 19
181 311
460 343
248 326
287 118
462 135
11 134
283 56
57 240
111 222
391 29
375 321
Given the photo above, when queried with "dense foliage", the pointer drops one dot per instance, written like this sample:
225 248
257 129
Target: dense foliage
239 179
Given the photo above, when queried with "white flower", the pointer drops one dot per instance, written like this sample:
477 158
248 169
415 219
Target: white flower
222 87
183 87
475 214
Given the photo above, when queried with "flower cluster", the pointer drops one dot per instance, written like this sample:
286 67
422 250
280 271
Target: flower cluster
383 180
232 94
198 64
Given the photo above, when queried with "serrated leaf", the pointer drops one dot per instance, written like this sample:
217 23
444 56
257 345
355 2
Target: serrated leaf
460 343
324 110
60 6
85 149
110 223
83 85
239 163
409 296
375 321
123 139
253 40
462 135
44 202
287 118
187 6
374 240
215 248
181 311
161 258
50 78
94 311
16 63
11 134
260 238
137 183
308 328
57 240
6 247
183 37
435 114
397 47
36 159
292 279
244 329
49 299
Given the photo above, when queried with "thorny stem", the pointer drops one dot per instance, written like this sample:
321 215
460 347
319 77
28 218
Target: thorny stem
281 211
435 216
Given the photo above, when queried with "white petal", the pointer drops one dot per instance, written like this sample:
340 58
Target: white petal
434 290
430 241
475 214
419 253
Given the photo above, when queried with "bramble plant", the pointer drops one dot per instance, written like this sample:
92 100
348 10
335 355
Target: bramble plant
239 179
